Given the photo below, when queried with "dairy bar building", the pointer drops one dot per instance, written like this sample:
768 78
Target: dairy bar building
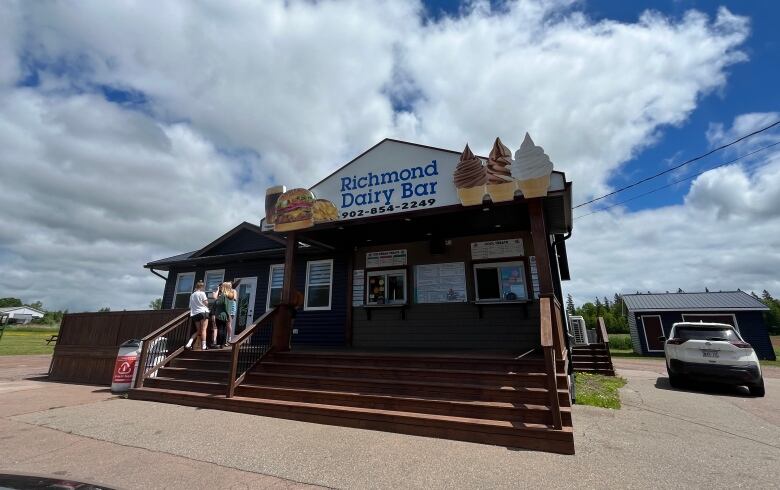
415 265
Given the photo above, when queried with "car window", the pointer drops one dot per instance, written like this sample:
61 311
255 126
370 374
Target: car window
691 333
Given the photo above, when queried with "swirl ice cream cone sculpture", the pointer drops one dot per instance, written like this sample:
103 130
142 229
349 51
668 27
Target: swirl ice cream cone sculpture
532 169
500 184
470 178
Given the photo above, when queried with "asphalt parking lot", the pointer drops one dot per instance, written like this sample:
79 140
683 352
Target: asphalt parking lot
661 438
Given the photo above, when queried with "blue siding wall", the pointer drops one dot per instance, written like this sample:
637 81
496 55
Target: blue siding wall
315 328
751 327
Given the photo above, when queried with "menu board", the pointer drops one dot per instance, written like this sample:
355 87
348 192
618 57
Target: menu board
358 287
497 249
534 276
440 283
387 258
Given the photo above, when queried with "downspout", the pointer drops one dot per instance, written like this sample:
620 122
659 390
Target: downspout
158 274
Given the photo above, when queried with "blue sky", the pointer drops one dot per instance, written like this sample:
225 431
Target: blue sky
131 137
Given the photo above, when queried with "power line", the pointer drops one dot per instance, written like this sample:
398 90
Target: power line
678 181
678 166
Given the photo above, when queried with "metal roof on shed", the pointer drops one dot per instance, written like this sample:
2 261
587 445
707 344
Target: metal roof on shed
725 300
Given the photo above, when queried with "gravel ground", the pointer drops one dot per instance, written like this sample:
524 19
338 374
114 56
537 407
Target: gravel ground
661 438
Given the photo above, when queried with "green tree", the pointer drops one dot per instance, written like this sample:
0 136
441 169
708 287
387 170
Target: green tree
570 305
6 302
37 305
155 304
105 309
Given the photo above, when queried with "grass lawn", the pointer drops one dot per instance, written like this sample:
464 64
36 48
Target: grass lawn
19 341
597 390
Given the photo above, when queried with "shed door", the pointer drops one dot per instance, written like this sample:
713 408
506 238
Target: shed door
653 329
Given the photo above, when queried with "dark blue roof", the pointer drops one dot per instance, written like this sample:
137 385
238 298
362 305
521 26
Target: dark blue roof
722 300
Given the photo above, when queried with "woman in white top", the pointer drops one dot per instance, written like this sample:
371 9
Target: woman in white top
199 312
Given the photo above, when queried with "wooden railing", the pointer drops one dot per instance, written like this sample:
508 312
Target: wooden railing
162 345
601 332
249 348
548 338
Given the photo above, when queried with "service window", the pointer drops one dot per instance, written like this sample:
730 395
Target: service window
319 285
185 283
386 287
500 281
212 280
275 280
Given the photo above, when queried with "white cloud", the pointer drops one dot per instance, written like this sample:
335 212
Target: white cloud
296 88
725 236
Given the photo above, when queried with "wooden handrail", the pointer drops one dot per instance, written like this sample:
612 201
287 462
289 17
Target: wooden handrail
168 326
251 328
142 372
548 348
601 331
234 378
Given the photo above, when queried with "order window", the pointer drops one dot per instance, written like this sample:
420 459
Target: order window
386 287
275 282
319 283
185 282
500 281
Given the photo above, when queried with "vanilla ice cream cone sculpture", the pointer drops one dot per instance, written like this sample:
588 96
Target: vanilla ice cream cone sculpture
532 168
500 184
470 178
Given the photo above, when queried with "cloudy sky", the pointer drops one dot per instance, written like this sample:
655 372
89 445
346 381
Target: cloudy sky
133 131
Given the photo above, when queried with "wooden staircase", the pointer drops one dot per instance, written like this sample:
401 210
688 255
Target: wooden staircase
501 401
593 358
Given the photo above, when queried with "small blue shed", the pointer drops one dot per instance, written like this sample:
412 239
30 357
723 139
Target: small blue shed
652 315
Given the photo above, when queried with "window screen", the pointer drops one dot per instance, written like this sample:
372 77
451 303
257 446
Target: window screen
319 275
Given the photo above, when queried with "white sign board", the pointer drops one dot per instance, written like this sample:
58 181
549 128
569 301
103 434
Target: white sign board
440 283
358 287
387 258
397 177
497 249
534 276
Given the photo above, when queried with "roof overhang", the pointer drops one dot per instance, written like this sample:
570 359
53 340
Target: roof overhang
648 310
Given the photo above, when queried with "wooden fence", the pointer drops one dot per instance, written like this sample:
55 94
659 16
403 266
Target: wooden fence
88 342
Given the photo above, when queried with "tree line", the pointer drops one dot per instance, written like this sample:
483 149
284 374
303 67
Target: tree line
616 319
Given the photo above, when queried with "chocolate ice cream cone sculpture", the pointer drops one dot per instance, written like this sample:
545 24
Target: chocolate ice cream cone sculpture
500 184
470 178
532 169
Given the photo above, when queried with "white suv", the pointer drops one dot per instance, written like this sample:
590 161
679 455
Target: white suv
713 352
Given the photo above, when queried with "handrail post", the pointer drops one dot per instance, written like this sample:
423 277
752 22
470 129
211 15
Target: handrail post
231 385
141 370
548 348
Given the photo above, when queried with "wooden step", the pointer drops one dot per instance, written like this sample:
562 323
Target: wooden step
450 391
193 374
595 370
208 364
520 412
498 432
186 385
401 374
415 361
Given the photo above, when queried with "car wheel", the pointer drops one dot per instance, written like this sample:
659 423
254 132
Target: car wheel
675 380
758 390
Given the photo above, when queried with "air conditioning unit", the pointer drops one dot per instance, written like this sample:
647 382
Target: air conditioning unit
577 327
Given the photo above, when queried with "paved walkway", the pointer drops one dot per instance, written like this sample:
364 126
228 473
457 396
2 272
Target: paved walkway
661 438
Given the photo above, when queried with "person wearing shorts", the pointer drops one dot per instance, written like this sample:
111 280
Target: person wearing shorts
199 313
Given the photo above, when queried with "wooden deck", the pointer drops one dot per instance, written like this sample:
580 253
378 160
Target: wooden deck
495 398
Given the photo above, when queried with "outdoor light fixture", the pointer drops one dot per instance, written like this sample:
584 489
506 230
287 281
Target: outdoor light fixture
341 227
428 234
407 219
485 209
498 226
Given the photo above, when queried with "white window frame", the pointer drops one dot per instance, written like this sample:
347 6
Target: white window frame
176 286
644 331
270 277
496 265
385 272
732 315
306 306
205 275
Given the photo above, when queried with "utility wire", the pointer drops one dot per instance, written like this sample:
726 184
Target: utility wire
678 181
678 166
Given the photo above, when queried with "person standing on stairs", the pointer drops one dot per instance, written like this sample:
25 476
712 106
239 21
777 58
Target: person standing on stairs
199 314
222 309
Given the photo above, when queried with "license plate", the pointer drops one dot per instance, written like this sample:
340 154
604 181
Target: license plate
710 353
